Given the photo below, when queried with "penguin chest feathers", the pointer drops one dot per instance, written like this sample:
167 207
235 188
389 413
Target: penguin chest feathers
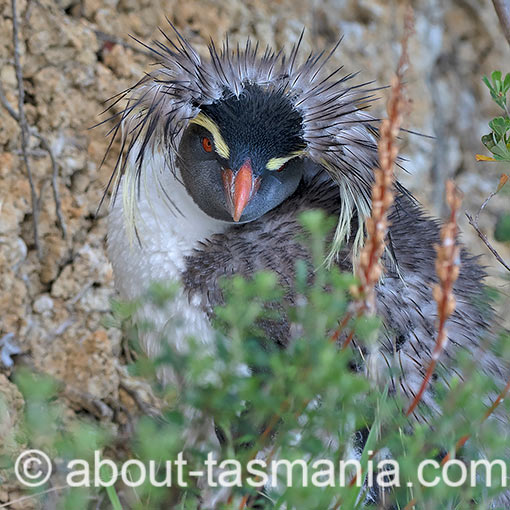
153 226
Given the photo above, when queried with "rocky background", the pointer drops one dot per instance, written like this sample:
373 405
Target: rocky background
77 53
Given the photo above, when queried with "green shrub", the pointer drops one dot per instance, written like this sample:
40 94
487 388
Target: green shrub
301 403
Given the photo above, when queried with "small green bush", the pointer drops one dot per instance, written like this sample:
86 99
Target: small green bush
301 404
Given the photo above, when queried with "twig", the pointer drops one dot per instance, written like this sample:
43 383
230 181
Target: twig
54 184
474 222
7 105
447 269
47 148
483 237
503 10
370 268
24 127
484 205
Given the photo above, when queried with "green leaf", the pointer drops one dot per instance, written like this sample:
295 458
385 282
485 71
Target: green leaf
500 126
496 76
37 386
114 499
123 310
502 232
366 326
161 293
506 83
501 151
498 87
488 83
488 141
265 283
316 222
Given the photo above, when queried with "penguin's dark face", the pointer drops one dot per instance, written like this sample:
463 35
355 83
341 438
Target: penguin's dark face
241 156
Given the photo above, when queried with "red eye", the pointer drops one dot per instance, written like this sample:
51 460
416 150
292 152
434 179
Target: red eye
207 144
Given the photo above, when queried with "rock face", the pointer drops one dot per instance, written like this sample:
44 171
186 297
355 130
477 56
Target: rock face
77 53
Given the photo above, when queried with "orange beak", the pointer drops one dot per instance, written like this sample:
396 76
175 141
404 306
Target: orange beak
239 189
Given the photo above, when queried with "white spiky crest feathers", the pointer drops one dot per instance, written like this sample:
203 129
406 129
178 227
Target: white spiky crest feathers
339 134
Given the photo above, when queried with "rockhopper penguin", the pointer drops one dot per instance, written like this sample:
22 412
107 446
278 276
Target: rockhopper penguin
223 153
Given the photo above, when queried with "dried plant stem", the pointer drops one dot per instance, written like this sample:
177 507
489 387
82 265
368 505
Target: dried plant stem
464 439
370 267
243 503
24 127
503 10
410 505
341 326
490 197
498 401
447 269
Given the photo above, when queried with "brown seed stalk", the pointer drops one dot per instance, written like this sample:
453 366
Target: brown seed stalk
447 269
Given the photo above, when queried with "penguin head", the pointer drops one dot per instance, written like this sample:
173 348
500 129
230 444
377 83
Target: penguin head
242 155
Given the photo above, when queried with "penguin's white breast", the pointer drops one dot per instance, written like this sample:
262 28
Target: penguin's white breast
169 225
